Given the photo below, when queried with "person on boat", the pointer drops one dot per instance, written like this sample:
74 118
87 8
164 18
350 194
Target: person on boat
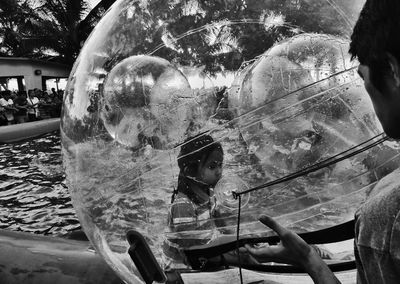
38 93
57 103
33 106
376 43
21 105
8 107
45 105
3 119
53 92
193 206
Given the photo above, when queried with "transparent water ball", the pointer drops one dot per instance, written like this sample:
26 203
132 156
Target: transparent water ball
302 101
140 93
189 101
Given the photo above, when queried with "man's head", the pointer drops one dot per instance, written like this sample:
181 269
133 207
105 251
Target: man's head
376 43
22 94
7 94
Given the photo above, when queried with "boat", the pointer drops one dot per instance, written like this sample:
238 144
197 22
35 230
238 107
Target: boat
28 130
249 276
31 258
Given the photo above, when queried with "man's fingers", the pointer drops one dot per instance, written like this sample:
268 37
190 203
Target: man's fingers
268 221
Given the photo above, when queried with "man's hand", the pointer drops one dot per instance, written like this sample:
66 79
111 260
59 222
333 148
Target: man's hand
293 250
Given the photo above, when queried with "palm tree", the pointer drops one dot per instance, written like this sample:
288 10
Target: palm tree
66 25
17 22
29 28
47 29
86 26
57 30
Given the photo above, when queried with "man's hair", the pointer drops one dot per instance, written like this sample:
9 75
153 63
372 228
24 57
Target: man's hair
377 32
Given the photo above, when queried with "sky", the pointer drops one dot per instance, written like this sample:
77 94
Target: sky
93 2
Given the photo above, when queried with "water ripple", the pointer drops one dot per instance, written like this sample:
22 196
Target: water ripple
33 194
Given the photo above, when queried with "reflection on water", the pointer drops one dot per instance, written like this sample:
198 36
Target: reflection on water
33 194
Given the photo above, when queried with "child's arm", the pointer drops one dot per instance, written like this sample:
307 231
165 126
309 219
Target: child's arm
183 216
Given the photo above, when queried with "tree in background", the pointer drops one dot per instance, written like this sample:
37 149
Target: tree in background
55 29
47 29
214 36
18 21
219 35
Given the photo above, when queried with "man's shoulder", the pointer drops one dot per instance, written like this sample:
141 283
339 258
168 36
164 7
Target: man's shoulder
379 216
386 193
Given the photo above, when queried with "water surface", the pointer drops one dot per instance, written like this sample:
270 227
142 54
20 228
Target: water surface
33 194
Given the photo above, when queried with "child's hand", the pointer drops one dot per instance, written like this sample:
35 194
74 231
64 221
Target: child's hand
291 250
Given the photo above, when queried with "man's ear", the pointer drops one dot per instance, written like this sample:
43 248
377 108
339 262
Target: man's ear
395 68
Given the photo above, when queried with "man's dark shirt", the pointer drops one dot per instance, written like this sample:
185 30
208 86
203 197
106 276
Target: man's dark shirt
377 241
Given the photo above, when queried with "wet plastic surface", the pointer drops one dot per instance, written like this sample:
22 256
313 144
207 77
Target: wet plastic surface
271 81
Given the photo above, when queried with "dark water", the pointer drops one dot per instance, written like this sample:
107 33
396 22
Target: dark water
33 194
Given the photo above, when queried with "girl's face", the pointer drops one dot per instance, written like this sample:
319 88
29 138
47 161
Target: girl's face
210 171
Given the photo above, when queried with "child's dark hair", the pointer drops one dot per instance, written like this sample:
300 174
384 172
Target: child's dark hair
376 33
194 152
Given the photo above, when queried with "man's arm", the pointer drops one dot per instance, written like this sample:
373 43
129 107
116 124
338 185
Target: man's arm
293 250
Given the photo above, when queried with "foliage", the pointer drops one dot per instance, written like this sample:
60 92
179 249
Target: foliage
18 21
207 33
61 26
47 29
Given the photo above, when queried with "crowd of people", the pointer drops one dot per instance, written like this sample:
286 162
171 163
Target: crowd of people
22 106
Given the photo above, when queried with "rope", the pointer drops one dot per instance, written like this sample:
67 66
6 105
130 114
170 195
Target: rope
237 240
324 163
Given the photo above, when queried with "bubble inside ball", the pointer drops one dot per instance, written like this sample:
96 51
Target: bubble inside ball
142 98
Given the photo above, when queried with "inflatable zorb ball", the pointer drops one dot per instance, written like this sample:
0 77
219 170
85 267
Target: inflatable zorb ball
158 82
299 105
144 99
